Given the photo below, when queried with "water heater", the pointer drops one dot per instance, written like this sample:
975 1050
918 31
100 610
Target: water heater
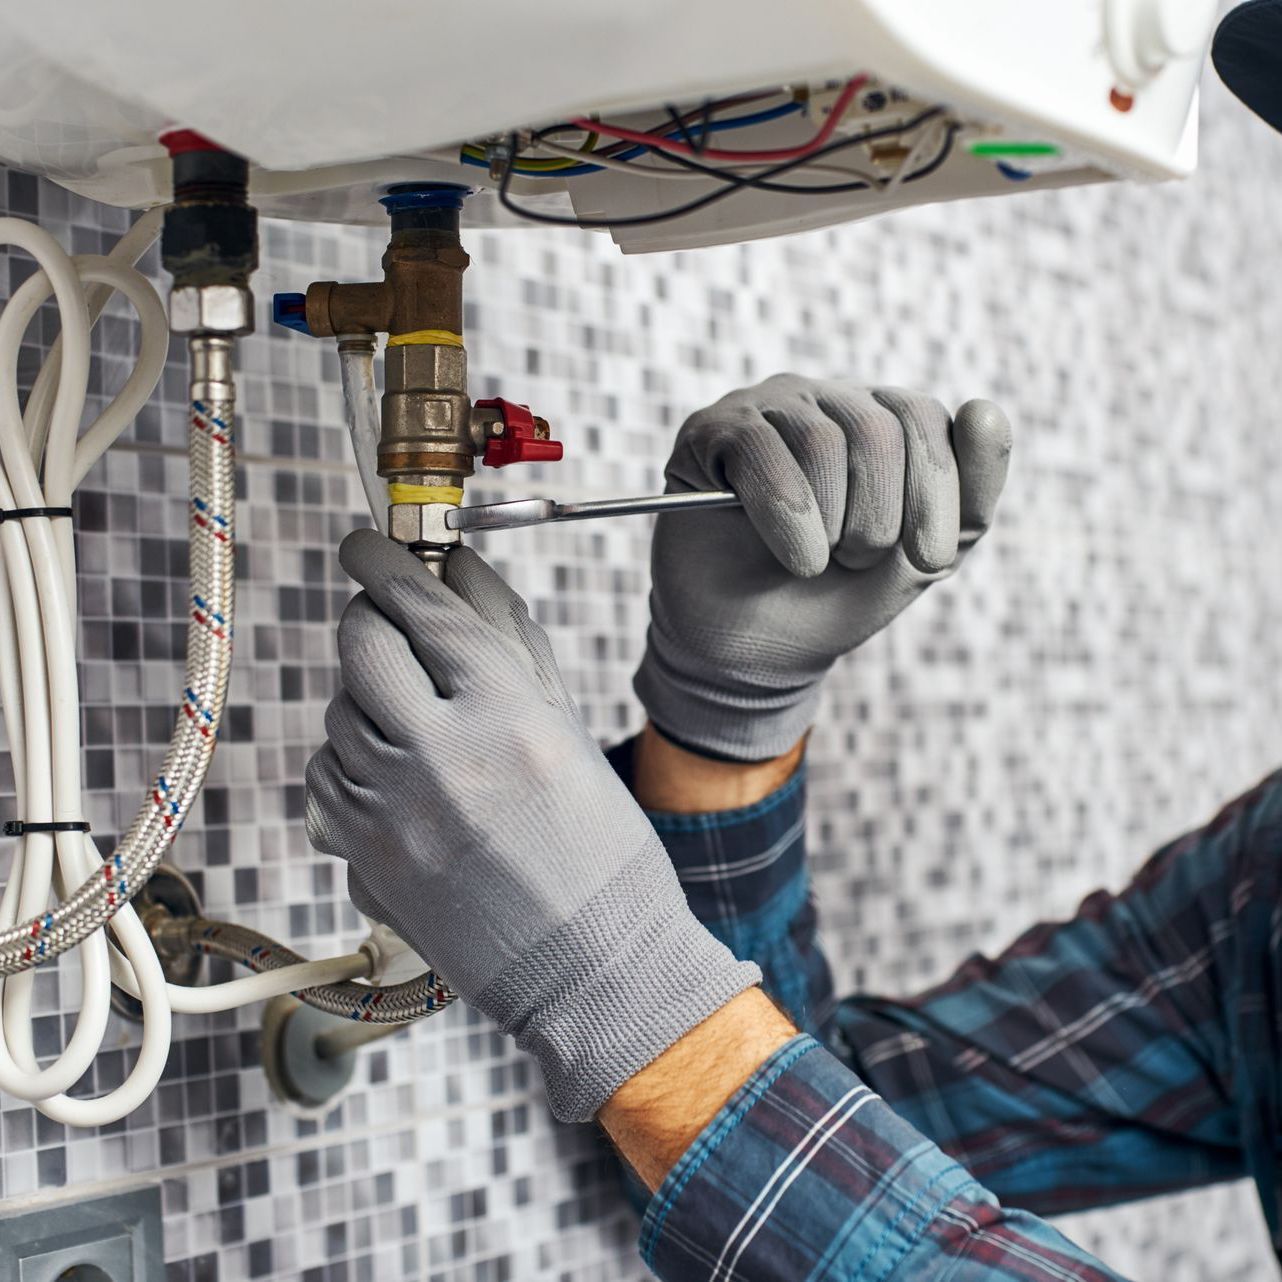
333 103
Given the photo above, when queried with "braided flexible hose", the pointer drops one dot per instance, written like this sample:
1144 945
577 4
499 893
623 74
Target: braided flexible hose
396 1004
123 874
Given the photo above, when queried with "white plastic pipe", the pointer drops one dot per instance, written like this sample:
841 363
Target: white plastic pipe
364 422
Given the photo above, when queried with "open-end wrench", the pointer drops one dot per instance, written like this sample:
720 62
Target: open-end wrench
522 512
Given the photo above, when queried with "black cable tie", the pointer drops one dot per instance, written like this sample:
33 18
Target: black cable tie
21 513
16 827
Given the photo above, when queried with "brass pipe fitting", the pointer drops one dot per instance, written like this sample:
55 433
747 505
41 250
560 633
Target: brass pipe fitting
430 432
427 415
421 289
427 436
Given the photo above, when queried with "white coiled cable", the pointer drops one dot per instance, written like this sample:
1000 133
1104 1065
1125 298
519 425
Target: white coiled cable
60 894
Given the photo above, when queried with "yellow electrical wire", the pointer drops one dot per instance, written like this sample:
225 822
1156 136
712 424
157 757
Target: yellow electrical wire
527 166
532 164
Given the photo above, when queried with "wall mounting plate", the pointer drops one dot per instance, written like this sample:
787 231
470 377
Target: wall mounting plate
299 1076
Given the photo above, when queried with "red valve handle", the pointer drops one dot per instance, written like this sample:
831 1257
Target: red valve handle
519 442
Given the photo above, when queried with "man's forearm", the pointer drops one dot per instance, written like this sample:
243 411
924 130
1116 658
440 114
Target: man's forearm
653 1118
668 778
656 1116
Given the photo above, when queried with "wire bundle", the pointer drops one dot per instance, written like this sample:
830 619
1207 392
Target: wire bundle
682 147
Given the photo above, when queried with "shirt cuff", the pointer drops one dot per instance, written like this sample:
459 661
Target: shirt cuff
806 1172
733 863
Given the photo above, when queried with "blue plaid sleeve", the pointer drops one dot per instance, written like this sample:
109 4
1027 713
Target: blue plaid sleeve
744 874
806 1173
1129 1051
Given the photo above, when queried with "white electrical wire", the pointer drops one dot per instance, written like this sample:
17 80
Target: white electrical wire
927 142
44 454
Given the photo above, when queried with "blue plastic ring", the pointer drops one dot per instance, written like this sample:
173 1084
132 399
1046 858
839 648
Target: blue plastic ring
424 196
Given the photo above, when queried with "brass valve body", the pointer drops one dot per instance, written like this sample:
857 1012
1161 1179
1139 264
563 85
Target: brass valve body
427 436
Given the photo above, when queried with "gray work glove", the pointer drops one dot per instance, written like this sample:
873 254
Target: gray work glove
482 823
854 500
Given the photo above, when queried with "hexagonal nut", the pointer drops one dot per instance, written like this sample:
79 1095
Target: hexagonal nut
417 523
211 309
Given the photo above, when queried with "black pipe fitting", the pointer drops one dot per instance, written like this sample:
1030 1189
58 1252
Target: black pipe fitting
210 235
433 207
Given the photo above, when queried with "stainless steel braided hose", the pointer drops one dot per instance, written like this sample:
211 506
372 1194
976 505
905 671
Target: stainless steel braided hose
211 522
396 1004
186 763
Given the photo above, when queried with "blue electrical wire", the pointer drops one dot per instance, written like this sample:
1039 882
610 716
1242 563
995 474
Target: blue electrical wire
694 130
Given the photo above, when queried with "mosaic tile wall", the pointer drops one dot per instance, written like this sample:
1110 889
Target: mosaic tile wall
1102 674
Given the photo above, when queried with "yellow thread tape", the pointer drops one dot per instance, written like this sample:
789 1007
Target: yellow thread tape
426 337
398 492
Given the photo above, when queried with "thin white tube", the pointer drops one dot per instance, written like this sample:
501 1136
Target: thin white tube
360 404
157 1030
126 252
152 351
38 619
233 993
34 581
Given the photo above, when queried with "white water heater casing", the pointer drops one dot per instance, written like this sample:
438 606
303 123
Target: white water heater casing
332 103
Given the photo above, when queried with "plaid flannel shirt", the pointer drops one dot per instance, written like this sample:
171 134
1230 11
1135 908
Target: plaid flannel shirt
1130 1051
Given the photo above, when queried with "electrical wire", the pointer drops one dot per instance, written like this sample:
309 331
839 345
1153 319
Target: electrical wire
732 183
475 155
686 171
666 142
865 182
686 161
568 168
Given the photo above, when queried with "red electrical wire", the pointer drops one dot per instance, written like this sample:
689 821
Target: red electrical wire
660 143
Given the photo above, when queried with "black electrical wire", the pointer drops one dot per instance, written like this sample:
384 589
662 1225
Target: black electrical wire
820 189
681 120
736 182
683 131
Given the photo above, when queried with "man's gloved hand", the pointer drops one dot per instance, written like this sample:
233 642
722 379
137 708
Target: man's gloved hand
854 500
481 822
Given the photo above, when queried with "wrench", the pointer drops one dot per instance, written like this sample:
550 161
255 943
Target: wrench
523 512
